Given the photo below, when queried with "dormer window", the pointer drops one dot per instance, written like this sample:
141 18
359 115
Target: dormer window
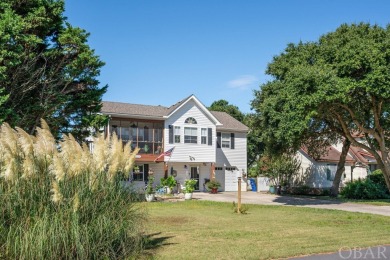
190 120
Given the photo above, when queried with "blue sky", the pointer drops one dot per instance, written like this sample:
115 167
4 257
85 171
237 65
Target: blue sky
159 52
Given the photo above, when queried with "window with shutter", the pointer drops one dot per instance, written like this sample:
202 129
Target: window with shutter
170 134
203 135
210 136
225 140
218 139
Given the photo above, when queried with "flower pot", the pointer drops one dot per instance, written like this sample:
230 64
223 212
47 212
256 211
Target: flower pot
169 191
188 196
272 189
214 190
149 197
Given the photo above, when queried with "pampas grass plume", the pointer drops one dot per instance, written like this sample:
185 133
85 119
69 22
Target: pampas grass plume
57 196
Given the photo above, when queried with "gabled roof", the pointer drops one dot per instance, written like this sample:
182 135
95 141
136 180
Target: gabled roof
361 155
331 155
229 122
178 105
222 120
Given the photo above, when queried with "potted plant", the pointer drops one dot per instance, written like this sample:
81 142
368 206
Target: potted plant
213 185
149 191
169 183
189 187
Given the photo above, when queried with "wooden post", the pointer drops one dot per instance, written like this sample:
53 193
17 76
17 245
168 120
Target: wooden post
165 170
239 196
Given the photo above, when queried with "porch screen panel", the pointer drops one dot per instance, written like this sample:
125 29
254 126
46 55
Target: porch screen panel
146 172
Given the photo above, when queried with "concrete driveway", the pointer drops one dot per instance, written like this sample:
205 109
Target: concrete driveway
248 197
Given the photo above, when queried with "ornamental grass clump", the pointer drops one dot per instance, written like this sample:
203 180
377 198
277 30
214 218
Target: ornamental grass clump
62 201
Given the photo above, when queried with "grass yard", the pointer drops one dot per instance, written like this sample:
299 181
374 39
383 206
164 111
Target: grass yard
210 230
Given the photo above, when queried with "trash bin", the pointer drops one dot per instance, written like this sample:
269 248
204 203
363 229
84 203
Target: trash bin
253 184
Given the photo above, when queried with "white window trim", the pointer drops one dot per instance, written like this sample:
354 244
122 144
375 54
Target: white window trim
176 134
141 173
192 129
228 139
205 136
332 174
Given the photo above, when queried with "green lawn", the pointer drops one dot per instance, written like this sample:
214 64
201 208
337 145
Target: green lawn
210 230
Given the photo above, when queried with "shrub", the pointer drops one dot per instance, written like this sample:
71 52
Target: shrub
306 190
300 190
378 178
280 169
364 189
60 201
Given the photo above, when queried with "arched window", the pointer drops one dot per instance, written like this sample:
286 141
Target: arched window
190 120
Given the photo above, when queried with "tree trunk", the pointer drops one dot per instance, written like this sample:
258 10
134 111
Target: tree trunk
340 169
384 165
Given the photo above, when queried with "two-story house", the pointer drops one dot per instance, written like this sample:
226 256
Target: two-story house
205 143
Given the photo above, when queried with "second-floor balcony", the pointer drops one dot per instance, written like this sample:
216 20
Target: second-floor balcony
146 135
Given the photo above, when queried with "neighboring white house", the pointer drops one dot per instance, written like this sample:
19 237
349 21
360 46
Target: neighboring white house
204 142
320 172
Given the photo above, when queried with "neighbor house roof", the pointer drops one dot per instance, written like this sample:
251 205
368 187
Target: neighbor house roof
362 155
331 155
223 120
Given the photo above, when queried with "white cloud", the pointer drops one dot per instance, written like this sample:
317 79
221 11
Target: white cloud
243 82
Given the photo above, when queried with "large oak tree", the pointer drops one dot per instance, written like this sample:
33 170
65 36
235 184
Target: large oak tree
335 88
47 69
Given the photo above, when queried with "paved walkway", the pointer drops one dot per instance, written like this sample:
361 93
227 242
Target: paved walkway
249 197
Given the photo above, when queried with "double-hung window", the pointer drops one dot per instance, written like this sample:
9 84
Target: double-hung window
190 135
138 175
203 135
225 138
177 134
331 171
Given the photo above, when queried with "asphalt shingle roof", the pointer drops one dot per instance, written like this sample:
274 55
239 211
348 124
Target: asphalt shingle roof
133 109
227 121
331 155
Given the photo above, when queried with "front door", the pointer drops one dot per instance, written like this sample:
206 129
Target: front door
195 176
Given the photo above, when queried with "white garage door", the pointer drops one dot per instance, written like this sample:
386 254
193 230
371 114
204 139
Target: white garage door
231 181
